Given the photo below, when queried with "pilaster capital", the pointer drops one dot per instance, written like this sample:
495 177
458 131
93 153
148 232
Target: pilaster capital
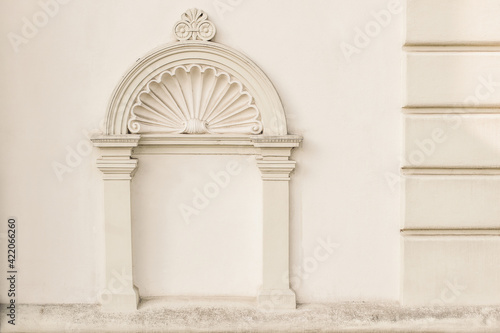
117 169
276 169
116 151
116 146
276 147
274 153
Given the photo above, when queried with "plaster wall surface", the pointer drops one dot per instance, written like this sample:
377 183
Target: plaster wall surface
342 96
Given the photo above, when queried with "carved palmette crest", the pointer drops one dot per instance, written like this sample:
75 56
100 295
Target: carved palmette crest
195 99
194 26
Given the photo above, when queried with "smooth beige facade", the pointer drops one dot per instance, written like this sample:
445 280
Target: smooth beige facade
282 162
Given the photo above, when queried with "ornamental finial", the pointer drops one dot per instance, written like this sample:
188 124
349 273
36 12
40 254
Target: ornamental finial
194 26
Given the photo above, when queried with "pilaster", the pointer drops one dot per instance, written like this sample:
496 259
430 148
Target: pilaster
276 167
118 168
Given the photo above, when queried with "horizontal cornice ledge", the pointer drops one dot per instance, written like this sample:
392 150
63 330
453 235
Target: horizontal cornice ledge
194 140
124 146
116 141
281 141
261 141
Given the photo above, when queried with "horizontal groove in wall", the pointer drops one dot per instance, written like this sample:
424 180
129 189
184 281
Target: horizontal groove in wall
448 171
451 48
481 109
429 110
448 51
450 232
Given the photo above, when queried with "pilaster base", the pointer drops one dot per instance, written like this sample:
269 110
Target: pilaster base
124 301
277 299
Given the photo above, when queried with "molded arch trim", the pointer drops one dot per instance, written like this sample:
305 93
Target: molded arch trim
188 53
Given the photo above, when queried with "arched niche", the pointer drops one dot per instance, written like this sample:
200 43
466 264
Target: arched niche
201 53
197 97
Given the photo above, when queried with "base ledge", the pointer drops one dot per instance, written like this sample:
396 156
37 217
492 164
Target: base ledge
125 301
277 299
159 316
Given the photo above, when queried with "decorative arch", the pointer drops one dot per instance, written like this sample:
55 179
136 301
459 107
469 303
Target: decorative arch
204 54
197 97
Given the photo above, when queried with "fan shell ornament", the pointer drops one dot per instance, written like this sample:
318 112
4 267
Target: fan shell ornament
195 99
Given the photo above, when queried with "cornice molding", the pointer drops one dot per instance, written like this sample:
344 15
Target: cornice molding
267 147
285 141
127 140
116 147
